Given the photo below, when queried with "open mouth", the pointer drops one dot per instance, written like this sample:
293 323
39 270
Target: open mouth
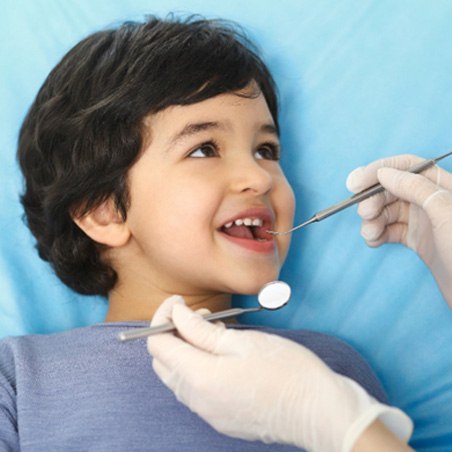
249 228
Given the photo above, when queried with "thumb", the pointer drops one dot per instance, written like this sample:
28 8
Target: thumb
163 313
207 336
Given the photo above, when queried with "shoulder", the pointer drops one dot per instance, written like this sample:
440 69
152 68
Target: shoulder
338 355
59 354
20 347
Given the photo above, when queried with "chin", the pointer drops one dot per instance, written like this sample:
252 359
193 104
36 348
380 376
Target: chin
253 284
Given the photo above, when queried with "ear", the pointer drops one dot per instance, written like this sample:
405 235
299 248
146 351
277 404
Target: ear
105 225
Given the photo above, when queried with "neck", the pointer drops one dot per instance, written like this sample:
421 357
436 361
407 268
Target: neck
127 305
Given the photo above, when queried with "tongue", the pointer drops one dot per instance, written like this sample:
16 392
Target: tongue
241 232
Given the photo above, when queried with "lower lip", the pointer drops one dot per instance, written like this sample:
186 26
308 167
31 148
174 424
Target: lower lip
267 246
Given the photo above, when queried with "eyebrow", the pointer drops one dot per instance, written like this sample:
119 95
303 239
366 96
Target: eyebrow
194 128
270 128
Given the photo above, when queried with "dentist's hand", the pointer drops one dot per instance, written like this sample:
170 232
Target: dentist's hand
258 386
416 210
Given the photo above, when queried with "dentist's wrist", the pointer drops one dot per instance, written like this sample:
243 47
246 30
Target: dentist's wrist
378 437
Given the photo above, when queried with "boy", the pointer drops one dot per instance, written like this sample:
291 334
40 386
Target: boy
150 159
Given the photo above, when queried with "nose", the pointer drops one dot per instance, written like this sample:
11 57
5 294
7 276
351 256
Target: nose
250 175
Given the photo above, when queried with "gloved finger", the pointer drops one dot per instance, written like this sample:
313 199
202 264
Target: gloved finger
365 176
373 207
204 311
159 343
164 312
165 343
419 190
394 233
202 333
167 347
397 212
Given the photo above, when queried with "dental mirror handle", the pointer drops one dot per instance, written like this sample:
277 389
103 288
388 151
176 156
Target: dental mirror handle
167 327
361 196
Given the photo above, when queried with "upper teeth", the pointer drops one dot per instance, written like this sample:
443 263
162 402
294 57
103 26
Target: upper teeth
246 222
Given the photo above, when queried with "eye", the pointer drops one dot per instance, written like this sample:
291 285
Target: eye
209 149
268 151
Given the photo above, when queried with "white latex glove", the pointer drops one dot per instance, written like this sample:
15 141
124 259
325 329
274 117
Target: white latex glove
258 386
416 210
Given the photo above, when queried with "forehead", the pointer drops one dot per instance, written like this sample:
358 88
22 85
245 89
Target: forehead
222 112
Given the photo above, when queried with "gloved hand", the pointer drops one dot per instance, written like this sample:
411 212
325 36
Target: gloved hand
416 210
257 386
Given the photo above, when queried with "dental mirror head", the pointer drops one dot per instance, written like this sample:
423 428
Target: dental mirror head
274 295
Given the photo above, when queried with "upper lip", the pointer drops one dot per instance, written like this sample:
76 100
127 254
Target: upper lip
263 213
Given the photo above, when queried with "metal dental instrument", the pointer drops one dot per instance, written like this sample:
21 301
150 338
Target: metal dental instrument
273 295
358 197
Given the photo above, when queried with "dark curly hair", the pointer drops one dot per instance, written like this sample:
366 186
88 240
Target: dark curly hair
85 128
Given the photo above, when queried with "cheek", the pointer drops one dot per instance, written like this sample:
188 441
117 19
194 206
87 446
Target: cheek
285 208
290 203
283 247
182 210
284 202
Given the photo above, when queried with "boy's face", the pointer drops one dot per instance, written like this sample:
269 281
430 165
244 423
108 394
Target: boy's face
209 165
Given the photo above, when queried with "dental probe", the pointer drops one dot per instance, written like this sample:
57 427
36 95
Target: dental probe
358 197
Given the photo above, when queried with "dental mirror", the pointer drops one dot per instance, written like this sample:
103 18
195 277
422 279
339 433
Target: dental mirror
272 296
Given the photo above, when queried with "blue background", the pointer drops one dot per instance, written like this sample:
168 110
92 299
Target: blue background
359 80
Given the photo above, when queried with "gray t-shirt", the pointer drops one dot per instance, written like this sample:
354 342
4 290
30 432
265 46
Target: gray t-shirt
83 390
